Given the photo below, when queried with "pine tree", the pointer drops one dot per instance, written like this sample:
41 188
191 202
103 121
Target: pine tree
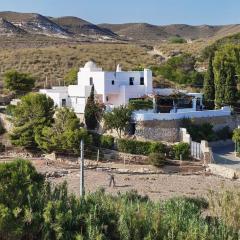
209 85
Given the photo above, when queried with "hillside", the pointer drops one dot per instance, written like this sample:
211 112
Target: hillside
55 62
79 26
34 23
77 29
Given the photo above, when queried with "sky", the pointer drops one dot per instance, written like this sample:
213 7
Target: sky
159 12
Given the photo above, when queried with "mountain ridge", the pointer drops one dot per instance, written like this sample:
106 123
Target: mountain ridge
77 28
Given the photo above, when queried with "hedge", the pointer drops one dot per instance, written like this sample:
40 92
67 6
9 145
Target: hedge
181 149
139 147
102 141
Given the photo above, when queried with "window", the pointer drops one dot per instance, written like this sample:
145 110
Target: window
131 81
64 102
113 82
107 98
91 81
141 80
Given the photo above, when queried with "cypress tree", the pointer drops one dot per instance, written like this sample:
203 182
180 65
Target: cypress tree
91 111
209 85
220 82
230 96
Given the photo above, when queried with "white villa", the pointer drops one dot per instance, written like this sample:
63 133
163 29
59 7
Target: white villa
111 88
119 87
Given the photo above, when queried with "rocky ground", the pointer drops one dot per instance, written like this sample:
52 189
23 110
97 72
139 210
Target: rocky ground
187 182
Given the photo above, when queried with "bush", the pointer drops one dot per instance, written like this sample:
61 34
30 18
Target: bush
224 133
181 149
107 141
2 147
139 147
157 147
140 104
177 39
104 141
133 147
157 159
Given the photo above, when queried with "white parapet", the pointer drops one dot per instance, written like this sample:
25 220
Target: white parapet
149 116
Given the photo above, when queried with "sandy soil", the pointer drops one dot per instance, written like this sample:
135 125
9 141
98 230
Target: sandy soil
156 186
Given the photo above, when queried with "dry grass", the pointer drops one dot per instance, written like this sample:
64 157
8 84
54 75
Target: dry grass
55 61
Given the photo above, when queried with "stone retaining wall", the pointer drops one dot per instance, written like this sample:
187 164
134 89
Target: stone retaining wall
169 130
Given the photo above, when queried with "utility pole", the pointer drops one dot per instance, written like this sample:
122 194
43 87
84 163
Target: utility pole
82 169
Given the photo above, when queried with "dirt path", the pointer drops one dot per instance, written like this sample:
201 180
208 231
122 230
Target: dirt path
156 186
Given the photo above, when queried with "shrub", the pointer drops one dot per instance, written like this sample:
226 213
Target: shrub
104 141
133 146
2 147
177 39
181 149
141 104
157 147
157 159
107 141
139 147
224 133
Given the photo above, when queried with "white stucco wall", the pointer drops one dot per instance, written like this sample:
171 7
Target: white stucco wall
148 116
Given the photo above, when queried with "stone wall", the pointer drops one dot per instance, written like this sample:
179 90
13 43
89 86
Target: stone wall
169 130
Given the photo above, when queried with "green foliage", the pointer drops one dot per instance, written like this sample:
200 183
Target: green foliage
177 39
181 70
93 111
19 83
30 116
236 138
64 135
10 109
139 147
226 66
157 159
118 119
71 77
2 129
205 131
140 104
181 149
2 147
107 141
209 85
31 209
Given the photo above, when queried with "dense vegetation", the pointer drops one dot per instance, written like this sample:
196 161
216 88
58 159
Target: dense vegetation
220 85
55 62
206 132
18 83
180 70
31 209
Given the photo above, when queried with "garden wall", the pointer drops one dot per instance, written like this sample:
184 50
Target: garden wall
169 130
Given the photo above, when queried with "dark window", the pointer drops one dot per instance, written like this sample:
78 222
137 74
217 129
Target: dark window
131 81
107 98
91 81
64 102
141 80
113 82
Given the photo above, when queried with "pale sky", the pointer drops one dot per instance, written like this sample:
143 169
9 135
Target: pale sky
159 12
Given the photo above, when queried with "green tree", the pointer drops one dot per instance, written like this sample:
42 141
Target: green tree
71 77
34 112
18 83
209 85
93 111
226 64
21 187
118 119
64 135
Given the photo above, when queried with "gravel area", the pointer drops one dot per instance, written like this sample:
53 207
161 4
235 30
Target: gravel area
156 186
